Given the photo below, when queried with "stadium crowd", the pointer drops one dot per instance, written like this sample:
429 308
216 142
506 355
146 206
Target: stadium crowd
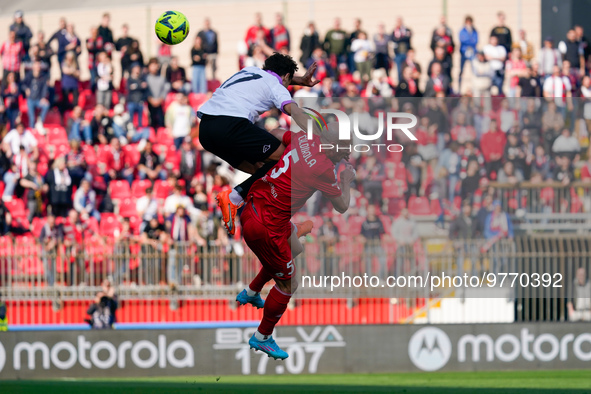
84 159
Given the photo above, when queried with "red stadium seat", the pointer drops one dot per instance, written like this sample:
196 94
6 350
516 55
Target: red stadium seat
164 137
387 223
109 225
134 223
1 188
392 189
132 154
87 100
138 188
120 190
212 85
16 207
196 100
419 206
37 226
168 100
162 189
89 155
127 208
53 117
56 134
173 159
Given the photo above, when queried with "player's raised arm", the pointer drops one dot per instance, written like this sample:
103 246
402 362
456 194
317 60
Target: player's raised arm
307 79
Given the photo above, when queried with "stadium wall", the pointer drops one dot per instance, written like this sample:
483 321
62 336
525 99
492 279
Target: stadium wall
317 349
232 18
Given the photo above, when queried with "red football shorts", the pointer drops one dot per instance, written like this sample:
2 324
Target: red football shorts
273 251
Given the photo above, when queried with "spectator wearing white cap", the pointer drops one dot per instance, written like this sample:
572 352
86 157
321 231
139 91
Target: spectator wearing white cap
22 31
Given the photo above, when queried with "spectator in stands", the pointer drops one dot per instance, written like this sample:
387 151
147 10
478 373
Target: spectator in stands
177 199
563 171
252 34
401 37
498 226
17 137
579 297
558 87
552 124
61 37
11 91
73 43
381 42
280 35
407 86
32 184
468 43
37 92
76 125
496 54
105 32
362 50
442 40
310 42
482 75
470 181
209 39
180 231
94 45
493 146
148 206
12 52
22 32
509 174
150 166
156 93
502 33
336 43
43 52
117 164
59 188
102 311
179 119
85 200
104 84
100 128
76 162
152 239
124 41
371 175
548 57
70 79
462 132
573 52
567 145
190 162
51 237
176 77
438 82
199 60
461 231
529 84
131 58
372 231
328 235
516 68
19 166
136 95
405 233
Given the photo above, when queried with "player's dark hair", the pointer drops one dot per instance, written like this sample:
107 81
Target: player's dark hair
281 64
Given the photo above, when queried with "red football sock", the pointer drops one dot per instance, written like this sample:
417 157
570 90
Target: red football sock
275 305
260 280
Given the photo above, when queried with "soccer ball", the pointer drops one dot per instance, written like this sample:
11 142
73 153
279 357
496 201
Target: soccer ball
172 27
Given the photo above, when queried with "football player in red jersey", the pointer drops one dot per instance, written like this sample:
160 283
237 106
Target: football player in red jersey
267 226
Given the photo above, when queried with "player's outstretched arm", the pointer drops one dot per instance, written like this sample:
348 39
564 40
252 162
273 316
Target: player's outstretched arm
307 79
301 118
341 203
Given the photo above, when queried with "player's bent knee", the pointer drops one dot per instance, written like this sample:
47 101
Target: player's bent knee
288 286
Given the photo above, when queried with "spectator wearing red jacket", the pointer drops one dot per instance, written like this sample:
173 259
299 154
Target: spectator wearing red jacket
12 53
253 31
493 146
462 132
280 35
115 164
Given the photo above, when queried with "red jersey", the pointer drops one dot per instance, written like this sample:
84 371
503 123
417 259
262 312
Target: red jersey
302 171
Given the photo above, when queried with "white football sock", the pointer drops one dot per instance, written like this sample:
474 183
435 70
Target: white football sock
250 293
236 198
260 336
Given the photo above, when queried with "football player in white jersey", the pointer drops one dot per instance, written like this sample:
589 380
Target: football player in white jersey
227 126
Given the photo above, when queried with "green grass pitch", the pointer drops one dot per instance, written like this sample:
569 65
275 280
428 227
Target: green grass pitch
568 382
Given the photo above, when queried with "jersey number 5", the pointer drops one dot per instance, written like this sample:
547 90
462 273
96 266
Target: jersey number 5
293 154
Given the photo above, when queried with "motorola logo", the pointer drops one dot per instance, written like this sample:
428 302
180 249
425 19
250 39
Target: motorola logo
429 349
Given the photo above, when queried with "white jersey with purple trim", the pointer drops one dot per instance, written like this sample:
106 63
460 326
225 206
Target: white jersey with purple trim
247 94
